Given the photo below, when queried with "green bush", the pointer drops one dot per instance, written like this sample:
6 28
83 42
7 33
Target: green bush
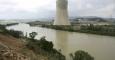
40 44
46 45
16 34
81 55
32 35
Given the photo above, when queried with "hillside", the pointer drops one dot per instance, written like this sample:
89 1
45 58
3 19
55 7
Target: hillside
12 48
11 42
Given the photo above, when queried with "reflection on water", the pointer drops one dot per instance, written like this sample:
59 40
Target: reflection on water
101 47
61 41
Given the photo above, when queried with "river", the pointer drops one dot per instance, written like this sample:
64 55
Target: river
99 46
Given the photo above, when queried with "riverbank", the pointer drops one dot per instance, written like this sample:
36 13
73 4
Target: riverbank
108 30
14 47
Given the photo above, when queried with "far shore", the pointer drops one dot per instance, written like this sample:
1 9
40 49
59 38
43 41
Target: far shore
107 30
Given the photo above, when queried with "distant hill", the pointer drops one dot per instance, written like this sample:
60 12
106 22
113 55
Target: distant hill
92 18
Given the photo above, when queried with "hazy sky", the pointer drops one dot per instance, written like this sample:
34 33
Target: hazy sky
32 9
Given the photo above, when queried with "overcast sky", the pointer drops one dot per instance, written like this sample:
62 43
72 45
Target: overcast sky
34 9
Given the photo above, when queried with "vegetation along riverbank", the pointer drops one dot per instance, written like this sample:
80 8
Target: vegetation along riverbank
93 29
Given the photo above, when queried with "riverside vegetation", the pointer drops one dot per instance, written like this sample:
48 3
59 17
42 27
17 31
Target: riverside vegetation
93 29
34 49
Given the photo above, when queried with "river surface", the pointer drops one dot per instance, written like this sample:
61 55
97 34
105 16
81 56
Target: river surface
99 46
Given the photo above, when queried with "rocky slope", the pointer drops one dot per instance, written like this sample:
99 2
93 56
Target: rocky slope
15 49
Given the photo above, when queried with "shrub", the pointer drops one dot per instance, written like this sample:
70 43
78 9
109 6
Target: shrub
46 45
42 44
16 34
81 55
32 35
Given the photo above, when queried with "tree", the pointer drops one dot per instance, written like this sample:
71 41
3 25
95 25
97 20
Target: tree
81 55
32 35
46 45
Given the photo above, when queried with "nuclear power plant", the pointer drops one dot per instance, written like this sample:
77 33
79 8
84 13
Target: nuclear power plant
61 13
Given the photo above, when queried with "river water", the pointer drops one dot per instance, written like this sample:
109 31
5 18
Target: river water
99 46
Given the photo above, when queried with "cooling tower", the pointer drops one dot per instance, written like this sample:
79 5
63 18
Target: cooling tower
61 13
